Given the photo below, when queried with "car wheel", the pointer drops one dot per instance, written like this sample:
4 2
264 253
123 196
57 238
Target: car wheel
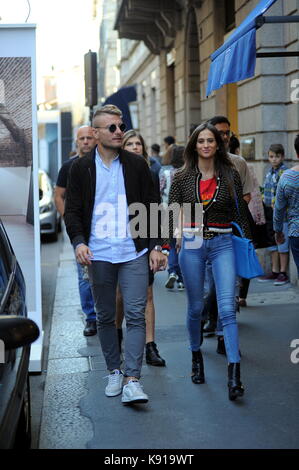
23 433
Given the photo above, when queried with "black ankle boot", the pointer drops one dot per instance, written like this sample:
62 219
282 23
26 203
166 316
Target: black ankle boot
152 355
198 374
235 387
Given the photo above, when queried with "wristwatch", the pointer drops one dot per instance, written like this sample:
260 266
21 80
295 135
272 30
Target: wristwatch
160 249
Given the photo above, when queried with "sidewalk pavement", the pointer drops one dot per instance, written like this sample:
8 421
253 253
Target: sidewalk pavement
179 415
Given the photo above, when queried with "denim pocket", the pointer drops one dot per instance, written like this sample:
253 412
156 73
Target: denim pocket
188 236
192 242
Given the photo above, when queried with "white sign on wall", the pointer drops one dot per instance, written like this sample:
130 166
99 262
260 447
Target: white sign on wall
19 194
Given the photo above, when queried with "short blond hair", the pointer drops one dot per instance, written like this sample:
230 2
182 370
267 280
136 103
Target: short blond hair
107 109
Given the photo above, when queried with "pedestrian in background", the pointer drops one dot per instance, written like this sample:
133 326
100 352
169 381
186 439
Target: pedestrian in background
257 218
154 164
169 140
85 142
155 149
279 253
209 176
287 202
172 160
234 145
106 244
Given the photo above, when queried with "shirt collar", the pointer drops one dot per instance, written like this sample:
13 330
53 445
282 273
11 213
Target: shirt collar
99 158
274 170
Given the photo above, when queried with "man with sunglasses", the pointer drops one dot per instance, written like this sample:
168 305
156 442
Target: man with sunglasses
222 125
94 220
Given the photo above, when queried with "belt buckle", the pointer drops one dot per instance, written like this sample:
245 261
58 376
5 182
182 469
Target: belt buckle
208 235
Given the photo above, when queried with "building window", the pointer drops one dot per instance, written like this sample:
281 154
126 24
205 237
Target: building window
230 20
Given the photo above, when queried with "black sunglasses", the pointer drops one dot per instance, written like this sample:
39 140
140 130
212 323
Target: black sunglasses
112 128
227 133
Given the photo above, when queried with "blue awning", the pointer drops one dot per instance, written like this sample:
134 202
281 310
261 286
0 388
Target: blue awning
121 99
235 59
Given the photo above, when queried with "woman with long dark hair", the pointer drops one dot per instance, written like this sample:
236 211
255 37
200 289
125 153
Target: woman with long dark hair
208 177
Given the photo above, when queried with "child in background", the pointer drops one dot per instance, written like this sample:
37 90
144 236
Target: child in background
279 253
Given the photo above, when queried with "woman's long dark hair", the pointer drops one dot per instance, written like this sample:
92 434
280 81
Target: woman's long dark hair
222 163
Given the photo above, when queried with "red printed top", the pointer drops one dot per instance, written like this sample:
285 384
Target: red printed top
207 190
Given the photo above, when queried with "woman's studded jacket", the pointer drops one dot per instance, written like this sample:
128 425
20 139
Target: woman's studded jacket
221 210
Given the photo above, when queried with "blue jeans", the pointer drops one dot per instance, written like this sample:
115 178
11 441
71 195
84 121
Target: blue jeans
209 296
210 293
86 298
294 243
173 261
219 251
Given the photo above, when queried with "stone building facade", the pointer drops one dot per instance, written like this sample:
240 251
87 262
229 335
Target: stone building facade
108 72
165 51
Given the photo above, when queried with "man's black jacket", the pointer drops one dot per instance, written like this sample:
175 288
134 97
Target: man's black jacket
80 196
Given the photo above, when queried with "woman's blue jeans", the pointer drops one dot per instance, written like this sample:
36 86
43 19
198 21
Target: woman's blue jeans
193 256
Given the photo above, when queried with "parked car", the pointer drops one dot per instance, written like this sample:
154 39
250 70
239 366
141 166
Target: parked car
17 332
50 220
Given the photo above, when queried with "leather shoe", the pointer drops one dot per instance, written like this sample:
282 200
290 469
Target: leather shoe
152 355
242 303
90 328
209 328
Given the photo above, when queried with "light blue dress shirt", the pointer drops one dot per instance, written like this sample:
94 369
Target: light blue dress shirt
110 239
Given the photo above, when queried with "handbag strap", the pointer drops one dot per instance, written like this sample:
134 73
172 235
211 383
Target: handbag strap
235 223
238 228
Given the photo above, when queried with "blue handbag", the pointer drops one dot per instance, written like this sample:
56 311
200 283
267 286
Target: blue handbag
246 260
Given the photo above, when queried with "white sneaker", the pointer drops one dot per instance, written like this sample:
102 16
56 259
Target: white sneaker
115 383
133 393
171 280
